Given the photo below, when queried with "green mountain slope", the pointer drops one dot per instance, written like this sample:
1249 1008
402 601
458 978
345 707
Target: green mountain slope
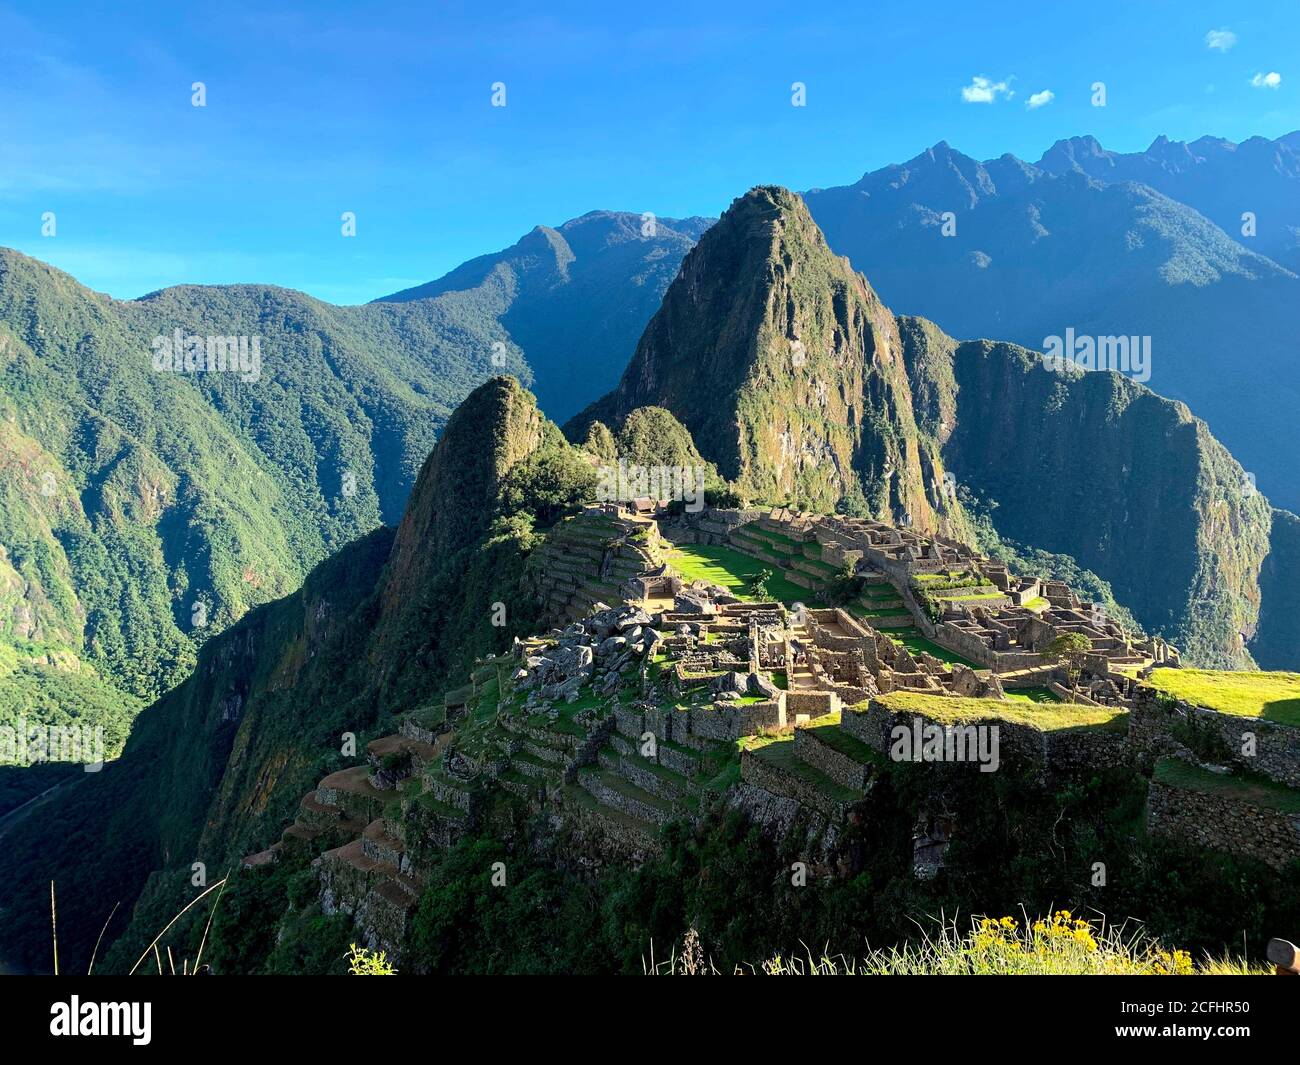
386 624
786 369
1101 468
1034 250
800 385
143 509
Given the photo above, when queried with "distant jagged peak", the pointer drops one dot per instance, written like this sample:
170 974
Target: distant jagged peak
1071 153
547 253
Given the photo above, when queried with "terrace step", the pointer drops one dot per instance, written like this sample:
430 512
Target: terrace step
544 752
531 766
777 768
638 830
403 888
613 790
421 753
266 857
351 791
378 845
655 778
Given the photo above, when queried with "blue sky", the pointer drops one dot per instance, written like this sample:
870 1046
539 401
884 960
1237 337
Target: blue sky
385 110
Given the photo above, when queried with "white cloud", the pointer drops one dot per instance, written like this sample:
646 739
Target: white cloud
982 90
1220 40
1271 80
1040 99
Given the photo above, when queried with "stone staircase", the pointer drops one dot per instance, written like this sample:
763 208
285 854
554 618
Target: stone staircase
801 675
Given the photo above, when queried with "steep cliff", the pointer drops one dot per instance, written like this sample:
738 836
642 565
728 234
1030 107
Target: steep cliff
1277 639
1101 468
222 759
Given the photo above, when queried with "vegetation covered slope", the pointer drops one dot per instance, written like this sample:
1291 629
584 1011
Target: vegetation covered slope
786 369
386 624
1277 638
141 511
1032 251
145 508
1218 178
1100 468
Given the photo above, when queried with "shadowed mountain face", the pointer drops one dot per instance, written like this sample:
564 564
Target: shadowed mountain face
223 758
1100 468
574 299
1074 244
786 369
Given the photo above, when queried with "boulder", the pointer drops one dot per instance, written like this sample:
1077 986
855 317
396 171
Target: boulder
634 619
732 683
690 603
611 645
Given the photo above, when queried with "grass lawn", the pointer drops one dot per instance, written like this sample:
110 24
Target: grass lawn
1047 717
1248 788
915 642
1271 696
867 611
733 570
967 596
879 591
1033 695
935 578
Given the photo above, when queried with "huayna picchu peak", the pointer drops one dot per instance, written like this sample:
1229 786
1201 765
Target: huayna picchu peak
786 369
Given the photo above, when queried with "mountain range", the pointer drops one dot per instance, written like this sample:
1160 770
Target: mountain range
775 362
1106 244
146 511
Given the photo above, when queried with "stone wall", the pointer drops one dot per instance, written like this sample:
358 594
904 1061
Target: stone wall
763 774
814 704
1223 823
721 721
1021 745
1157 722
821 756
968 645
712 525
1082 750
